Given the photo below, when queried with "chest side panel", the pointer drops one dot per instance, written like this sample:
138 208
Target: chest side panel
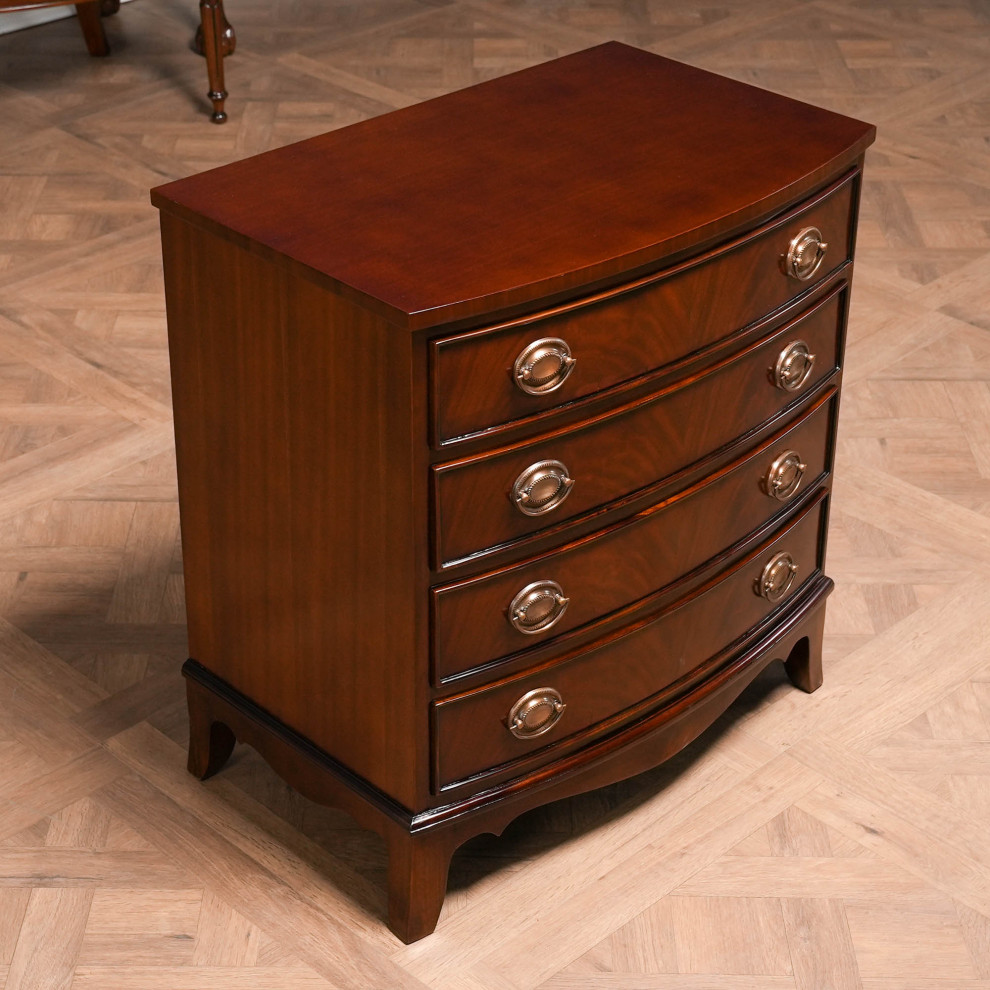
302 531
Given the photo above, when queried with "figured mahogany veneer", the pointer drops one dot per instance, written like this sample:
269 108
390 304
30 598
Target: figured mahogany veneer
368 604
627 561
609 678
629 332
627 449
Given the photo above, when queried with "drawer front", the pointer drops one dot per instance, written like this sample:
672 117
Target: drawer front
629 332
518 608
472 734
479 501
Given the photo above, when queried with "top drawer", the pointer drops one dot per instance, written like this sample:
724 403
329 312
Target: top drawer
631 331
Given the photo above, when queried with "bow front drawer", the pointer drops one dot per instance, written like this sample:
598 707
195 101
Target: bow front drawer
538 712
507 614
493 500
502 375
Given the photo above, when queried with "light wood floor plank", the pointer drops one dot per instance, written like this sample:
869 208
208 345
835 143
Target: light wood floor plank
50 936
826 841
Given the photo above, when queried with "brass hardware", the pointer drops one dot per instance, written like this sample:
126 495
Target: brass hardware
536 712
538 607
541 487
777 577
783 477
793 367
543 365
805 254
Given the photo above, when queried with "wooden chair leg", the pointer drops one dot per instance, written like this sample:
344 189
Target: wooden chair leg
216 34
92 27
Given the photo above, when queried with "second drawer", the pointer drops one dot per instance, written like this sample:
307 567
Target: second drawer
494 500
498 615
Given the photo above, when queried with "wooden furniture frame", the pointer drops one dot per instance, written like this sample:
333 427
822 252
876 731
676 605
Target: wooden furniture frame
214 37
89 13
585 323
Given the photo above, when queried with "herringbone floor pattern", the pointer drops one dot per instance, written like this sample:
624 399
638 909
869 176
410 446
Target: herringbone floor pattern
828 842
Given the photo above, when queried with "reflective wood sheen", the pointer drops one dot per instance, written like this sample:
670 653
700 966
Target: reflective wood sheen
333 314
638 555
631 448
627 670
620 335
358 207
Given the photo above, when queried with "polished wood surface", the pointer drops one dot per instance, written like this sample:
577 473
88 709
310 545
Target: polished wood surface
602 685
357 208
215 39
87 12
633 558
297 546
612 456
157 881
311 533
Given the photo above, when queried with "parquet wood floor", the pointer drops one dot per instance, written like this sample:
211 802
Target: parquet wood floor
816 843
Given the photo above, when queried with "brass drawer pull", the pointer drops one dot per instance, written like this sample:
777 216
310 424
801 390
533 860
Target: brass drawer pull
793 367
784 476
536 712
777 577
541 487
543 365
538 607
805 254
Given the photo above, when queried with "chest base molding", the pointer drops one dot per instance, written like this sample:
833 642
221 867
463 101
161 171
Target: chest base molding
420 845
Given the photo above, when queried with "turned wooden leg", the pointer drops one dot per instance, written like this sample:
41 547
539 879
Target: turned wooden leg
417 883
92 28
210 742
804 664
228 39
214 28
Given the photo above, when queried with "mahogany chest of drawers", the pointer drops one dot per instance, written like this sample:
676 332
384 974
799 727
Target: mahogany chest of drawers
504 427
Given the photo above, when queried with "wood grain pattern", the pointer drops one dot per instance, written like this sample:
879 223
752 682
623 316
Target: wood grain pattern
630 668
631 333
627 562
632 448
907 688
392 250
277 535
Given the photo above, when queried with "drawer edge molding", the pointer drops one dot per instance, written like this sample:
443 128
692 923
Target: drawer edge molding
444 672
730 670
481 481
633 389
641 497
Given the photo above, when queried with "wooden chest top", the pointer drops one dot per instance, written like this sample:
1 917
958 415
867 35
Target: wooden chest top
523 188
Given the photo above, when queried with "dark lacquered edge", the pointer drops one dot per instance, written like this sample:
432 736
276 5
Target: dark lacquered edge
530 542
633 618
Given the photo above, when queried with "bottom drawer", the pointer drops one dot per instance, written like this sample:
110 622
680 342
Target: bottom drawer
534 714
